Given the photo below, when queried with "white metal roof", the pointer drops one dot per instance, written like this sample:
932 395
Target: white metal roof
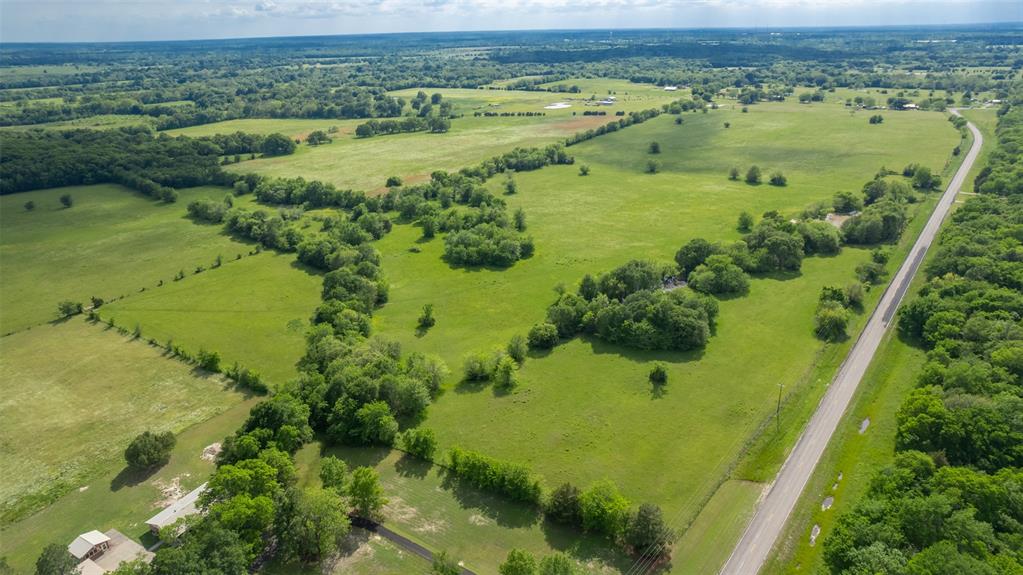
181 508
85 542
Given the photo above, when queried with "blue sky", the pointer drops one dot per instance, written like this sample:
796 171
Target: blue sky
112 20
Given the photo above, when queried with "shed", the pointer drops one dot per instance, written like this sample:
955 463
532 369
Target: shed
89 545
181 508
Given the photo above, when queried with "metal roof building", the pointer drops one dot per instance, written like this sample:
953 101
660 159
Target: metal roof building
181 508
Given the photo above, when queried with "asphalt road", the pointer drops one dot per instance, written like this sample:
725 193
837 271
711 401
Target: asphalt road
767 524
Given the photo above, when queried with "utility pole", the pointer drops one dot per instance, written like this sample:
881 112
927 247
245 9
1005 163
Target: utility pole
777 411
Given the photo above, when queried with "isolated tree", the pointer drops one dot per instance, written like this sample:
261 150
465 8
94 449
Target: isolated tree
655 148
55 560
520 219
584 170
733 174
510 187
277 145
753 175
30 205
518 562
678 120
658 374
745 223
366 495
334 474
426 319
728 125
653 166
647 533
69 308
66 200
149 450
394 182
778 179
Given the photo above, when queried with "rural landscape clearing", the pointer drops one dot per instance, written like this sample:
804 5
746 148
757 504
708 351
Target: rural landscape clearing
536 302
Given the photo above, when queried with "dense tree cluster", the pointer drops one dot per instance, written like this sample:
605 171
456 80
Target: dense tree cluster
950 501
628 306
433 124
128 156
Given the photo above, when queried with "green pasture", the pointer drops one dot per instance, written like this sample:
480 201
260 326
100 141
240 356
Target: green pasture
68 417
585 410
253 311
111 243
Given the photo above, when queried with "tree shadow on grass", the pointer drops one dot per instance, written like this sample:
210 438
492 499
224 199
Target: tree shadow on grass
658 390
601 347
129 477
587 548
408 466
471 385
505 513
355 456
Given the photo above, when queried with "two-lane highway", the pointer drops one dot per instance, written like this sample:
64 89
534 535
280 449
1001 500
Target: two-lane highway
769 521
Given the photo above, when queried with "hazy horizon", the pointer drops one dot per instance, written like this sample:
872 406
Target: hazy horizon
143 20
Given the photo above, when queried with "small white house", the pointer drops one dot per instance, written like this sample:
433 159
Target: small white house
89 545
181 508
910 107
670 88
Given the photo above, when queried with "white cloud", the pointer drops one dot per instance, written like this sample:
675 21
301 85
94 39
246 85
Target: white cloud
77 20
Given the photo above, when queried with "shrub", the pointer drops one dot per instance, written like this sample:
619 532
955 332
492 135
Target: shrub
426 319
745 223
655 148
66 200
653 166
393 182
542 336
659 374
149 450
778 179
563 505
208 360
753 175
517 348
419 442
509 479
584 170
831 321
478 366
505 374
69 308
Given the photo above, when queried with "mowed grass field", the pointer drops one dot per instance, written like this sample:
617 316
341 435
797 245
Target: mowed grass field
474 527
364 164
253 311
110 243
585 411
71 411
